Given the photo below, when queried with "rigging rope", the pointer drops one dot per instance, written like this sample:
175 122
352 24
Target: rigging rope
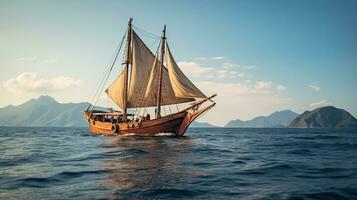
148 34
152 44
99 81
105 78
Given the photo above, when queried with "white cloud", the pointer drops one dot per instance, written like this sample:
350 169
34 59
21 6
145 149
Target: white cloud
198 70
315 87
249 66
194 69
228 65
280 88
212 58
232 100
35 59
29 82
319 104
201 58
261 85
50 61
218 58
222 71
210 76
233 97
230 74
27 59
240 75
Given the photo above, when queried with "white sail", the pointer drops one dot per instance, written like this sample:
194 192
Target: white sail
167 93
116 90
181 85
145 72
142 62
143 83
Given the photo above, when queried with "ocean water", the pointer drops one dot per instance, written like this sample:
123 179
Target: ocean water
214 163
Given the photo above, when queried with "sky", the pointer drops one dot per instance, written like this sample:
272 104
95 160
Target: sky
258 56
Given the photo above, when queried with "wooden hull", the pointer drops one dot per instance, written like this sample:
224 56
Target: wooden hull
176 123
166 124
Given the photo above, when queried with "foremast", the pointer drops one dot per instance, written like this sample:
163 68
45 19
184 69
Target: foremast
159 89
126 76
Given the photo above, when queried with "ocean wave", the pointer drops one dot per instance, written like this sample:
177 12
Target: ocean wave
165 134
326 195
55 163
171 193
57 178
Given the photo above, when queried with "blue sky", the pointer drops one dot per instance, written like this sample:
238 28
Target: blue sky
259 56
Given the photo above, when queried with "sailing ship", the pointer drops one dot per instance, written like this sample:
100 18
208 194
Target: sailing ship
145 82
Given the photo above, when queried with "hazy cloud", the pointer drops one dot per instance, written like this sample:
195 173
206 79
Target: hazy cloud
248 66
233 96
29 82
228 65
212 58
28 59
261 85
319 104
35 59
280 88
194 69
229 74
218 58
315 87
232 100
50 61
201 58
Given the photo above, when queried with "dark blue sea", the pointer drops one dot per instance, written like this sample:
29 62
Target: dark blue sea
212 163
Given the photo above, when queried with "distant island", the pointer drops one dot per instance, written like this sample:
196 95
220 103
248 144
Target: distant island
278 119
46 111
324 117
196 124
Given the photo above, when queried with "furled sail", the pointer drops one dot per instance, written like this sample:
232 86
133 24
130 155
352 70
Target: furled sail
144 72
116 90
181 85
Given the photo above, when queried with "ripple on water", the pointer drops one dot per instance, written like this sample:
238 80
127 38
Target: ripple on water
50 163
55 179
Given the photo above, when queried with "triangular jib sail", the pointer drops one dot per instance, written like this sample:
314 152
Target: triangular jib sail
116 90
182 86
144 78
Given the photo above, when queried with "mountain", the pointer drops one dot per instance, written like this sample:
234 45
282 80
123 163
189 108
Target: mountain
195 124
274 120
325 117
44 111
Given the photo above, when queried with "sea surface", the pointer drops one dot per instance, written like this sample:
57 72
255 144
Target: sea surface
209 163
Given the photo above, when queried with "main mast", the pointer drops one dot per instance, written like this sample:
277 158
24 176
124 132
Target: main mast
158 108
127 62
